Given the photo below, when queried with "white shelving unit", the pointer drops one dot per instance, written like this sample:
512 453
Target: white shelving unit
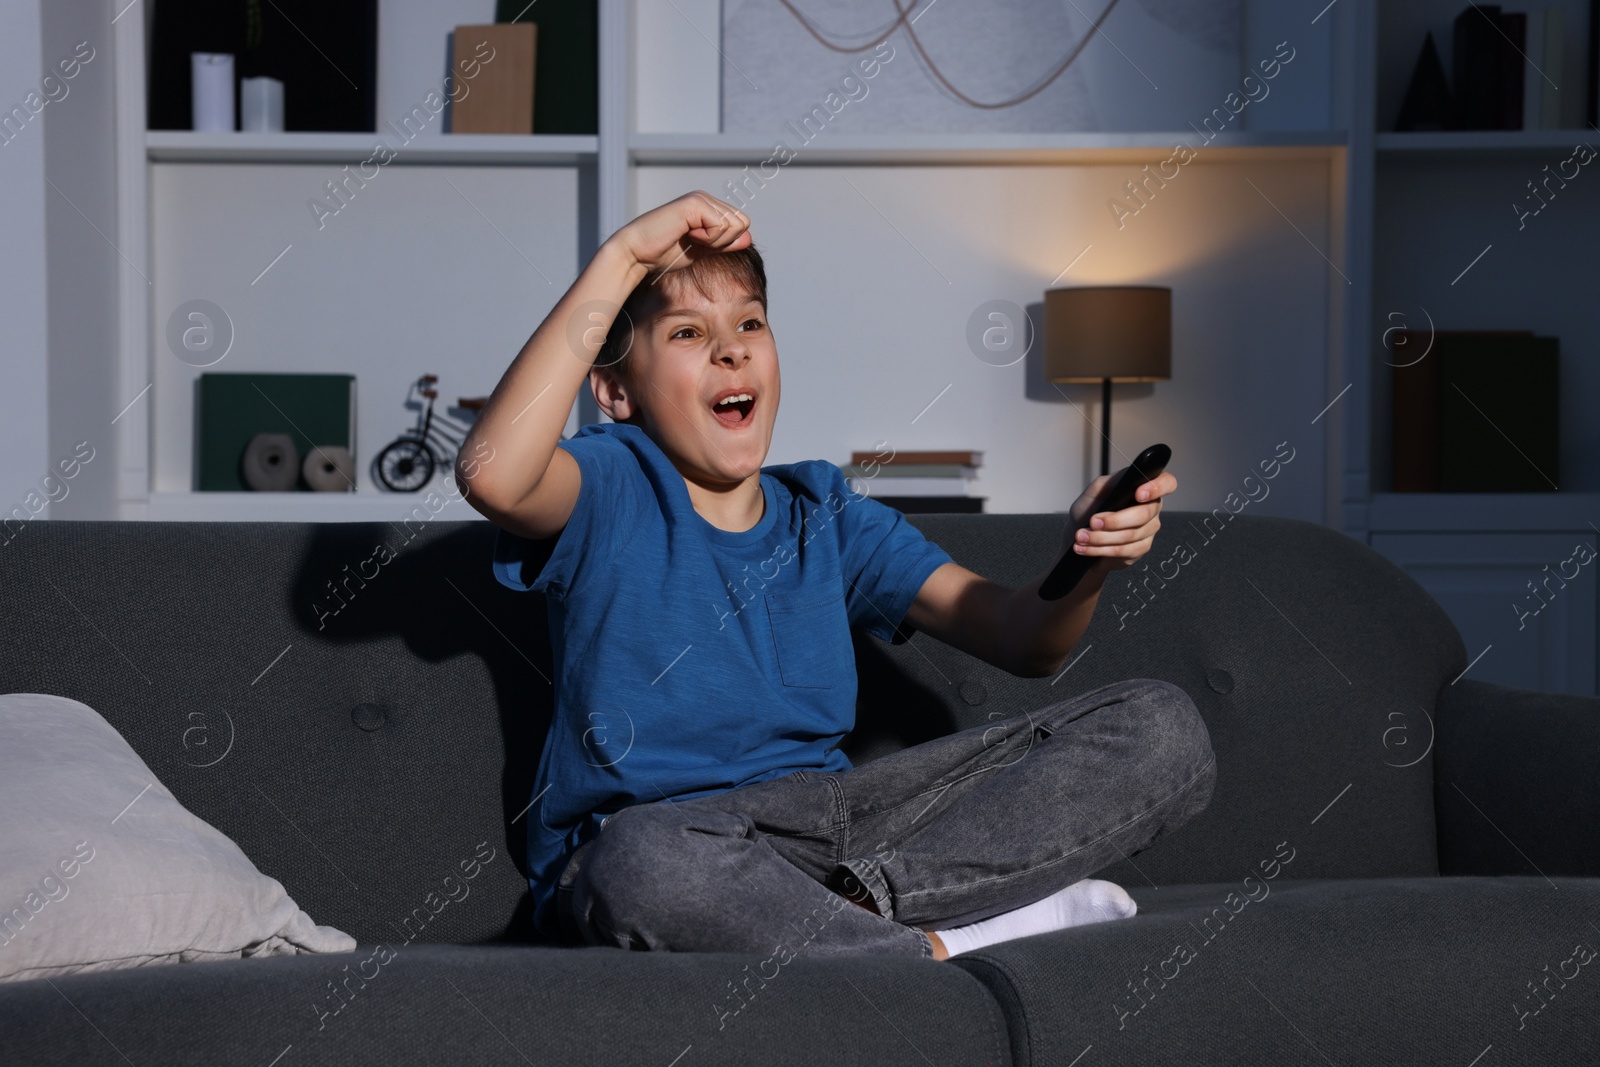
995 149
1446 245
1468 144
182 146
1369 177
450 259
161 236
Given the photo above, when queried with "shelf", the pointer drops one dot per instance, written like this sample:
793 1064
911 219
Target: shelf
980 148
387 507
1484 512
1453 144
187 146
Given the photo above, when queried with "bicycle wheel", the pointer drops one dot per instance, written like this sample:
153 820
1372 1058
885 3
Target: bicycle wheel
405 465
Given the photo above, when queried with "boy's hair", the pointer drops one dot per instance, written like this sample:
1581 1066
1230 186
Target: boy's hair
741 269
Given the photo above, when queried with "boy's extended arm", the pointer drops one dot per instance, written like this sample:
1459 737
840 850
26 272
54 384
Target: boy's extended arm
505 457
1013 628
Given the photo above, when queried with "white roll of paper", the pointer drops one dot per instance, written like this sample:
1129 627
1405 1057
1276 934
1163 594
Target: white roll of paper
211 87
261 105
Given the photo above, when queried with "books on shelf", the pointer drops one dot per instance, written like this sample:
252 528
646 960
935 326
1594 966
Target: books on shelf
1483 96
1546 40
900 460
566 88
1592 101
232 408
917 481
1506 68
1475 411
500 98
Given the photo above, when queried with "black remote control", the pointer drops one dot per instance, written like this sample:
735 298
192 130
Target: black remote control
1151 462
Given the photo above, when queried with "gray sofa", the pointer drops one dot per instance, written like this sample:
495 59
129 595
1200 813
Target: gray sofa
1395 864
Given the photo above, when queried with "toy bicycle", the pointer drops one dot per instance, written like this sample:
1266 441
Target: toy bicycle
407 463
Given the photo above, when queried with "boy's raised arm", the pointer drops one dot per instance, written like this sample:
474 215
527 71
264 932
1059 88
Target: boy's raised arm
508 466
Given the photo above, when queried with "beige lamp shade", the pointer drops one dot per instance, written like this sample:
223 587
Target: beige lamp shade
1117 332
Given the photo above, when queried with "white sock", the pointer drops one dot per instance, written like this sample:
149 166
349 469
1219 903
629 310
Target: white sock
1088 901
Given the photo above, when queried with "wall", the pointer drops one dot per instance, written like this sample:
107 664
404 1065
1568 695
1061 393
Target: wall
80 214
24 400
874 272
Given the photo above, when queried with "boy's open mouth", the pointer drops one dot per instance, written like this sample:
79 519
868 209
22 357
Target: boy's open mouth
737 408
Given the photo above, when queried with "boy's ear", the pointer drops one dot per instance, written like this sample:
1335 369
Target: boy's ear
613 397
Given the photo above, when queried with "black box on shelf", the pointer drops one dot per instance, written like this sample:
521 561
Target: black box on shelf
324 51
1479 413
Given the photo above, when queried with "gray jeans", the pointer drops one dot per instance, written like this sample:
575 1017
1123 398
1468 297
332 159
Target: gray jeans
941 834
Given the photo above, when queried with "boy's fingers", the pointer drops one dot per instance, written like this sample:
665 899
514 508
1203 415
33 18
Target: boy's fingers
1109 538
1126 519
719 223
1158 486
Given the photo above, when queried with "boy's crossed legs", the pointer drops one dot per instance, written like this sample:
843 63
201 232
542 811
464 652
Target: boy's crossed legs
941 835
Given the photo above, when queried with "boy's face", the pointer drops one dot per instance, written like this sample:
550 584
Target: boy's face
686 355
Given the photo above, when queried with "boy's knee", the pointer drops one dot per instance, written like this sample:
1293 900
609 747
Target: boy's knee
634 874
1179 745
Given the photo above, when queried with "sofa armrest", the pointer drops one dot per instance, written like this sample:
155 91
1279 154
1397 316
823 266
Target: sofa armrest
1516 787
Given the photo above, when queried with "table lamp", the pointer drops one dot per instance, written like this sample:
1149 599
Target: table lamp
1107 333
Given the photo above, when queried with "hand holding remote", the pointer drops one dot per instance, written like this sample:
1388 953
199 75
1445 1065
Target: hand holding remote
1118 495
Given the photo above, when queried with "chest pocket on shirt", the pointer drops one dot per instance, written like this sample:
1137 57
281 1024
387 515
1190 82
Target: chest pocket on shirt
811 635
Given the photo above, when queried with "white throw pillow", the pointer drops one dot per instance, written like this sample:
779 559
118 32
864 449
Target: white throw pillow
102 868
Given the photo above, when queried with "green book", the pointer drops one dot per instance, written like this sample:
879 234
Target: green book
566 62
314 409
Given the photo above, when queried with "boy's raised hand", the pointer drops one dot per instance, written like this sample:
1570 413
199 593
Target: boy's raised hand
678 232
1117 539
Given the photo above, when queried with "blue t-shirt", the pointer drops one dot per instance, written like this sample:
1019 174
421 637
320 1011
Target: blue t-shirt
689 659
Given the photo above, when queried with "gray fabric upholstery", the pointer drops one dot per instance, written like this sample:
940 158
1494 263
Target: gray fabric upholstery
1517 789
483 1005
1295 642
1360 971
368 761
399 731
363 755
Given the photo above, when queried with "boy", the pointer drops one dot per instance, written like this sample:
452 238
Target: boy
700 611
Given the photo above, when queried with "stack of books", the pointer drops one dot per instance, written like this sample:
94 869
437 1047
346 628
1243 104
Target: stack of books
917 482
1507 65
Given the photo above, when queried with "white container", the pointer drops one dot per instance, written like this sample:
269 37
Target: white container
261 105
211 85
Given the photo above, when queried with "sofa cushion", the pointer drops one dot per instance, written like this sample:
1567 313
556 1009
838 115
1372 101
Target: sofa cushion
1414 970
101 868
505 1004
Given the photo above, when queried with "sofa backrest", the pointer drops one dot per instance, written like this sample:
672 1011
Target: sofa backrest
1314 661
367 753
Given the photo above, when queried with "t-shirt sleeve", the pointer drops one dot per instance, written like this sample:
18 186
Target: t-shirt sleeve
612 494
885 561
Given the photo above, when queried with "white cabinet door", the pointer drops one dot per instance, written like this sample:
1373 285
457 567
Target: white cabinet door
1524 602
